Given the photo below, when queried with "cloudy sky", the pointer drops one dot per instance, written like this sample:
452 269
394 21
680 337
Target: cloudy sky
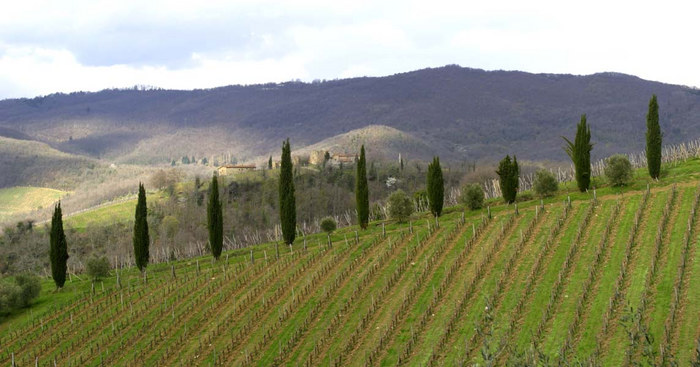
63 46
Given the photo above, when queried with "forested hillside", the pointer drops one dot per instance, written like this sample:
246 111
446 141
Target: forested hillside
459 113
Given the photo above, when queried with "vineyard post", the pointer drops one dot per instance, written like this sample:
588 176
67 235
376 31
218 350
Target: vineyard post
172 270
410 227
277 250
383 230
265 252
330 243
252 259
304 243
473 230
357 238
437 223
488 210
197 266
595 196
346 240
291 249
516 209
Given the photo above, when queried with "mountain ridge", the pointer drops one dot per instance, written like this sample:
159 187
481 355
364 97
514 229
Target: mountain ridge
460 113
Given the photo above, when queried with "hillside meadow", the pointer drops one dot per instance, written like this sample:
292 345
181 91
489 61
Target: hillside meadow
17 201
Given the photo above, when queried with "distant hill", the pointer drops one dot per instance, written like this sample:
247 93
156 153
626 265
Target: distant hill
382 142
25 162
457 113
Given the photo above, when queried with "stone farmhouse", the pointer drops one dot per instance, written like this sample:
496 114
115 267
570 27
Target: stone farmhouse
230 169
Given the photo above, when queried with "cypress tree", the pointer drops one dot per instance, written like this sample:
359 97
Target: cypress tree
509 173
269 163
58 251
580 153
653 139
435 187
141 239
215 219
361 191
288 214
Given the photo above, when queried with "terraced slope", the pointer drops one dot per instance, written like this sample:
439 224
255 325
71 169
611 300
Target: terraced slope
607 280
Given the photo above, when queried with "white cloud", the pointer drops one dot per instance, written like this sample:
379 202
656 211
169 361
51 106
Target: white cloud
48 46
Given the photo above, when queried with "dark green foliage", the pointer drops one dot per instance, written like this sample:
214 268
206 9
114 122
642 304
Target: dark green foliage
435 187
400 206
580 153
269 163
472 196
20 293
141 239
185 160
653 139
328 225
618 170
362 191
545 184
372 172
215 219
288 214
98 267
58 251
509 174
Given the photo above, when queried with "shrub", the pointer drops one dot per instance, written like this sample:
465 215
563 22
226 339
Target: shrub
328 225
20 293
30 288
472 196
98 267
545 184
400 206
618 170
9 295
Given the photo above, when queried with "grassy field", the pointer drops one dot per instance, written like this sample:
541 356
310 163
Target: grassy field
16 201
558 279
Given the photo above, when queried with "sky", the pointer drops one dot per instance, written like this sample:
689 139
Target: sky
88 45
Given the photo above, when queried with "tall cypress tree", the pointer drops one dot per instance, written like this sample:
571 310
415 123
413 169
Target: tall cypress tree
435 186
141 239
58 251
515 177
580 153
362 191
215 219
508 174
653 139
288 213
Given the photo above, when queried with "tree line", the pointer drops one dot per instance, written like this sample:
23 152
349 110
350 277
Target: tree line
400 205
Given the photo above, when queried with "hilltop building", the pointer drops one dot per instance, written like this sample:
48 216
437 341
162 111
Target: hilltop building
344 159
230 169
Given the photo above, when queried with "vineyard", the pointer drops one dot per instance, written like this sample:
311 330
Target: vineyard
611 279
